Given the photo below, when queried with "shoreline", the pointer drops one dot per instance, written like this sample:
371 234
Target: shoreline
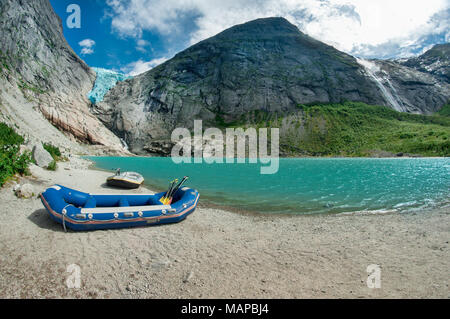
207 202
289 157
216 253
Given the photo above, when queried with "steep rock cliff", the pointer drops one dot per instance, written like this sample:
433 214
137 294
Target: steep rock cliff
40 75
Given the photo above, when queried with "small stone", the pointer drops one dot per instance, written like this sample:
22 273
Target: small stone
189 277
25 191
161 264
16 188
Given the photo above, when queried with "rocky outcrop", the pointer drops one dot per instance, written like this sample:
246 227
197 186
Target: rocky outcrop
159 148
405 89
40 73
264 65
435 61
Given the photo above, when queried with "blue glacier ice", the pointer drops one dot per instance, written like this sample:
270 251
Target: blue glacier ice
106 80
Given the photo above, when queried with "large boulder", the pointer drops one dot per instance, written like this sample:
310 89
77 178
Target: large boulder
41 156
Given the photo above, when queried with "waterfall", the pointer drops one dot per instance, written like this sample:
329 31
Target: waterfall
124 144
386 87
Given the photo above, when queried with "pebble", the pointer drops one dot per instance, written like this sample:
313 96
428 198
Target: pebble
189 276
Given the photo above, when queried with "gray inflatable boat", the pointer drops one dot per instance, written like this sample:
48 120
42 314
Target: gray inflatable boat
127 180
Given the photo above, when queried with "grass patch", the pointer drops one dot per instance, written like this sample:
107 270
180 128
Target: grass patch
11 161
52 166
56 155
53 150
445 111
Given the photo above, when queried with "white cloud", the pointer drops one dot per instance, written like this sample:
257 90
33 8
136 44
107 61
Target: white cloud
131 18
87 46
142 45
139 67
86 51
352 26
87 43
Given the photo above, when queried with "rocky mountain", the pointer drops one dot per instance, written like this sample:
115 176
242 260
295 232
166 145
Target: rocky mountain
406 89
43 81
435 61
265 65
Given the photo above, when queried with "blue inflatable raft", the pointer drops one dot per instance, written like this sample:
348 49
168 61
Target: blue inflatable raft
82 211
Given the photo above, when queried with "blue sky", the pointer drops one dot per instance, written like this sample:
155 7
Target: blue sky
111 50
133 36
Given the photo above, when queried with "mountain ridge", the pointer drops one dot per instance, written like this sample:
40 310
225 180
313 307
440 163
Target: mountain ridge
265 64
435 61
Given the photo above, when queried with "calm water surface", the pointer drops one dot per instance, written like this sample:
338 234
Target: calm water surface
304 185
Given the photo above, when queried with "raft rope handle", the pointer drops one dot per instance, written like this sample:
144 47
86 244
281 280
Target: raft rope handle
63 213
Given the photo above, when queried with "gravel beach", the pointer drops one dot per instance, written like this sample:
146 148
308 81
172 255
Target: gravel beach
216 253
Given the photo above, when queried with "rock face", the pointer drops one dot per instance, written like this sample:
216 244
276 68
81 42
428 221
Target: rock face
417 85
405 89
435 61
263 65
38 68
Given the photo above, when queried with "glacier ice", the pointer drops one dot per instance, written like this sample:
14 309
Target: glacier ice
105 81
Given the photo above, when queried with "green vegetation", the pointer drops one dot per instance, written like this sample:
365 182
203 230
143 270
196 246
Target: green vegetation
25 86
354 129
45 73
52 166
11 161
357 129
4 62
445 111
55 153
53 150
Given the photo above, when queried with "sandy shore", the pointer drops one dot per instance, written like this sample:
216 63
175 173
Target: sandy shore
218 254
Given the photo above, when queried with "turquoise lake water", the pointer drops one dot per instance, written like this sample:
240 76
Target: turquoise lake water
305 185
